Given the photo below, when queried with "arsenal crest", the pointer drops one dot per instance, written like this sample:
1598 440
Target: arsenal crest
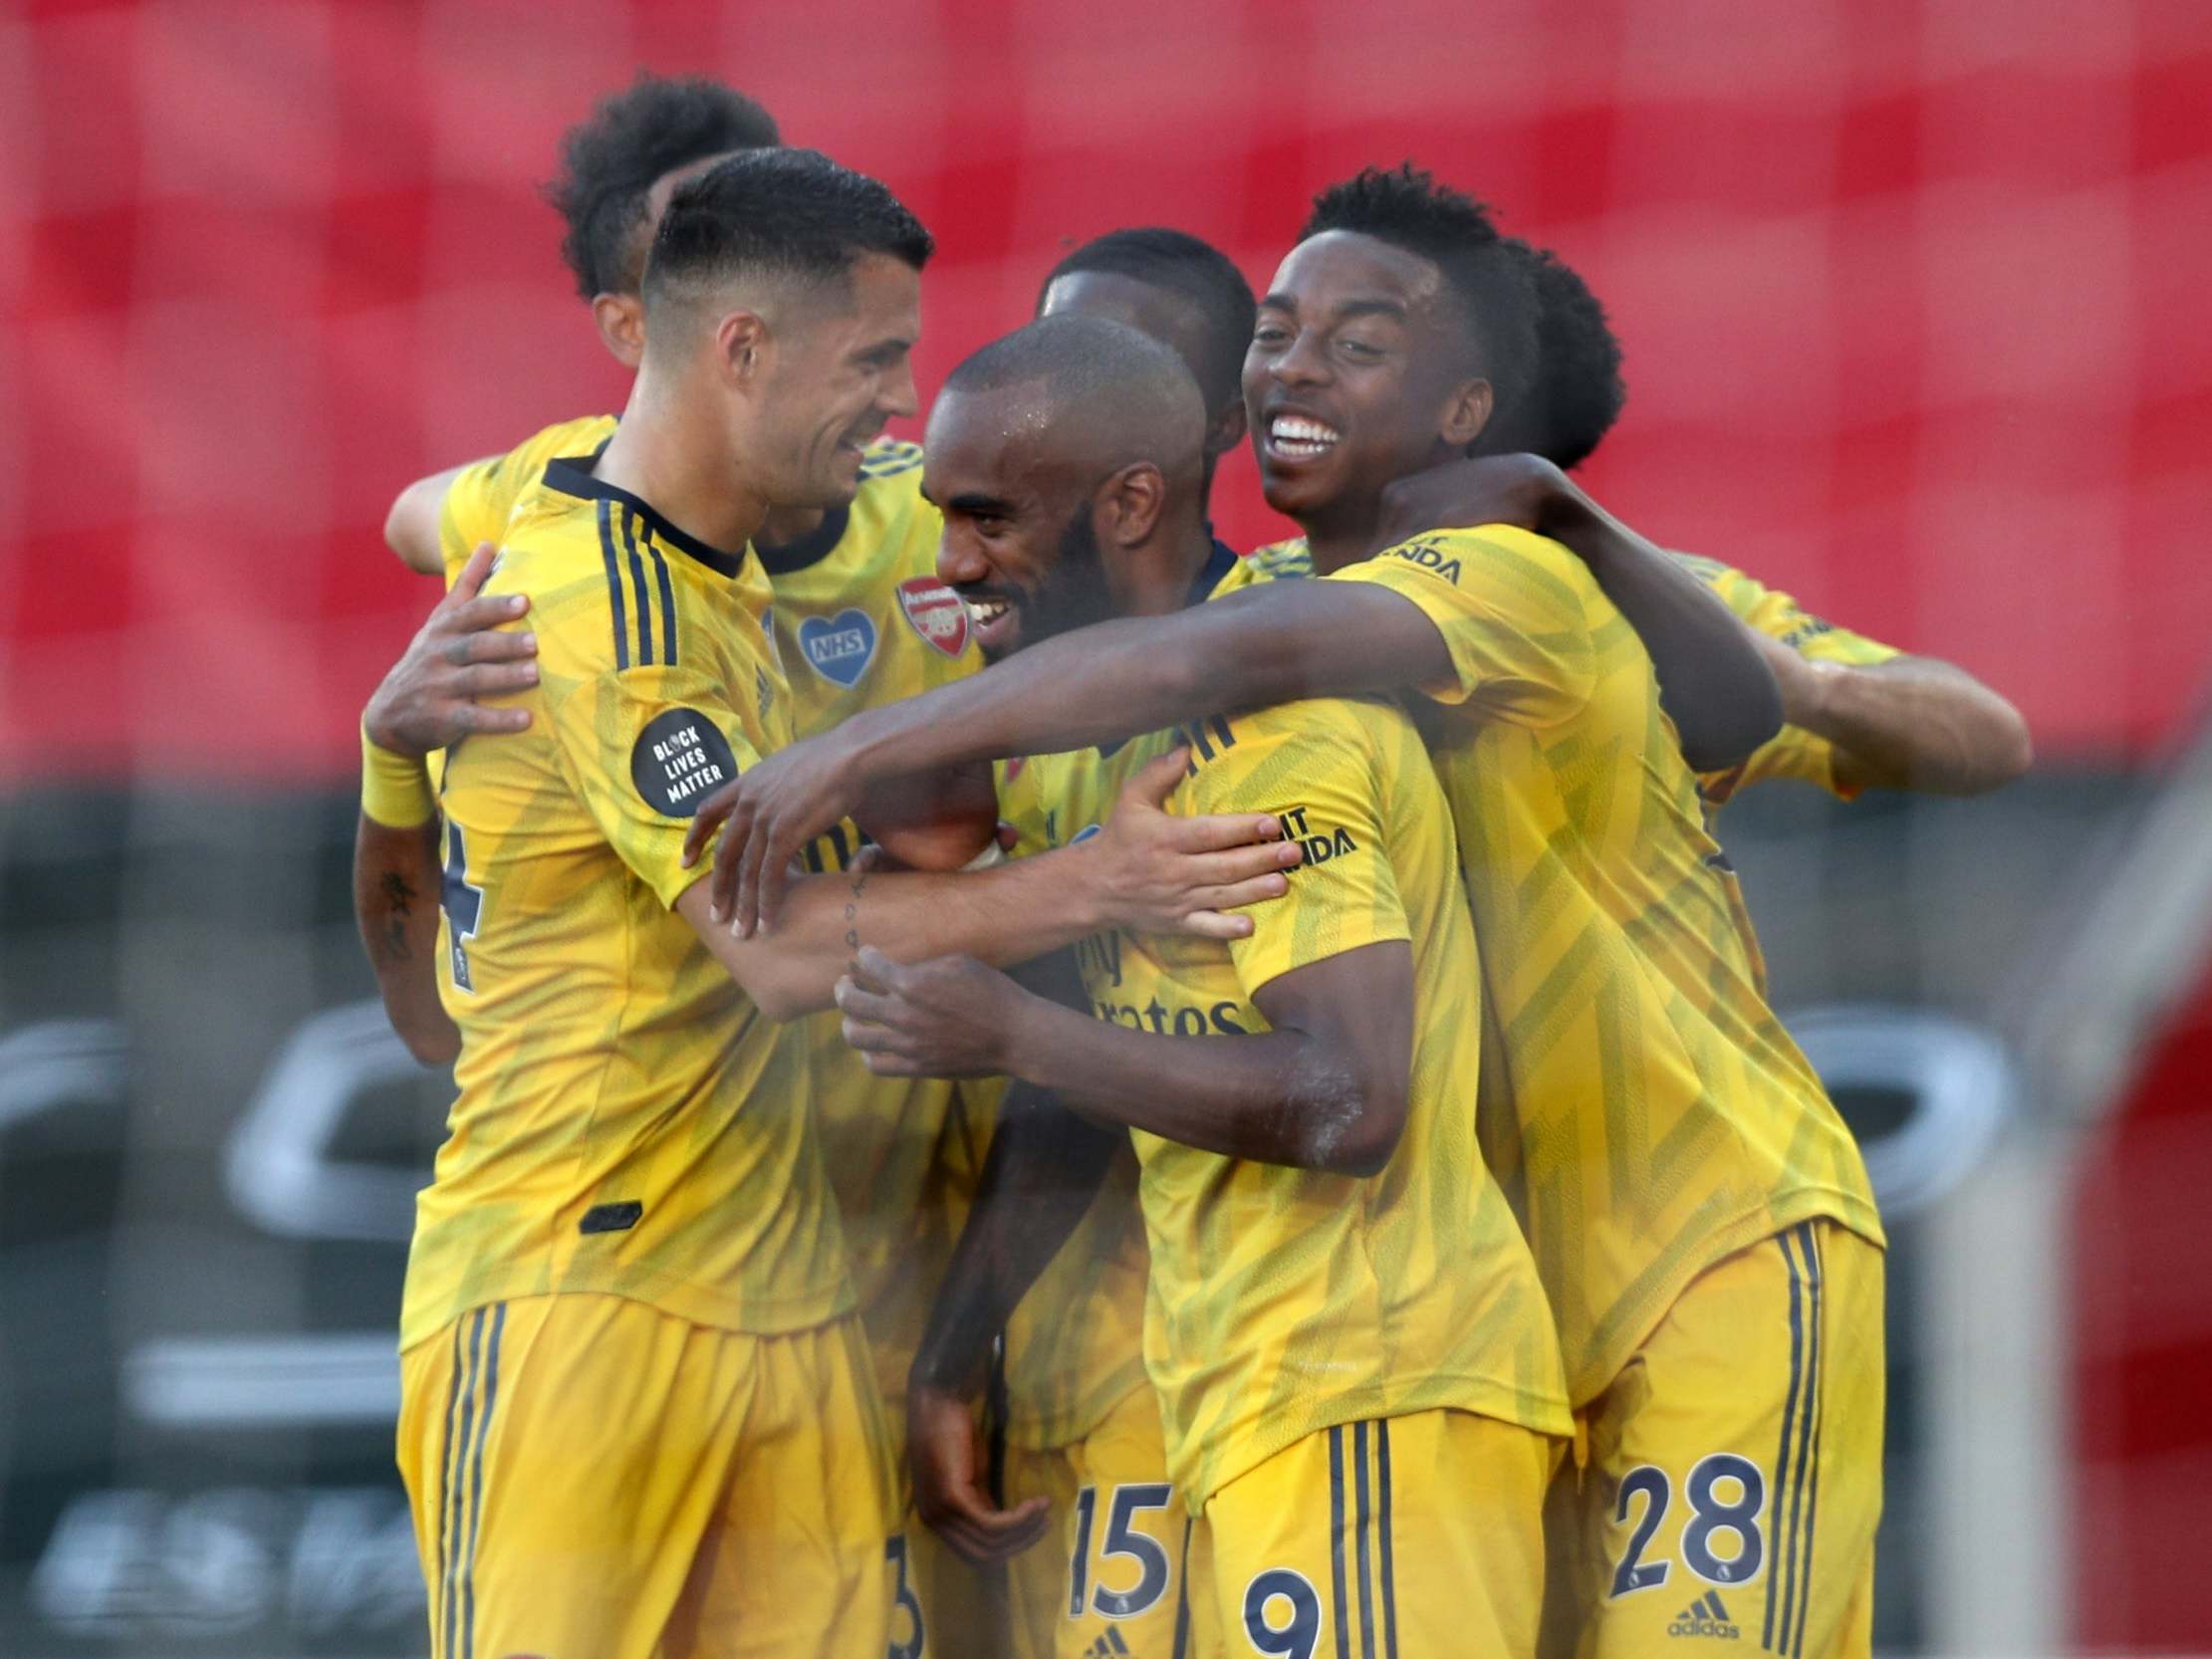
936 613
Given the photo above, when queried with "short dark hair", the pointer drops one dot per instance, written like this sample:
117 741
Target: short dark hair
1182 264
1578 393
1406 208
610 162
1104 382
782 212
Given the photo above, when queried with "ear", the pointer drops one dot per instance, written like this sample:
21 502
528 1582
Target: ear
622 323
1226 430
1127 505
744 347
1466 414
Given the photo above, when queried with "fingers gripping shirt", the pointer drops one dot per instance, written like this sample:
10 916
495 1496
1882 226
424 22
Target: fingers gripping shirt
1641 1103
1791 752
627 1122
1283 1299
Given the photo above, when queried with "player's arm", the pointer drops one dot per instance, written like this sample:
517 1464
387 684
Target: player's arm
1713 681
1145 869
411 527
1861 713
1330 967
1907 722
1101 684
395 875
396 885
426 702
1325 1088
1039 1179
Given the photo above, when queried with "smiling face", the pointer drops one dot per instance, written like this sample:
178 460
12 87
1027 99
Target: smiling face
1360 371
841 367
1018 545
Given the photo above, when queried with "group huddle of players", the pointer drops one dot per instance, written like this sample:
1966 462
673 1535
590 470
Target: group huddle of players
1295 1157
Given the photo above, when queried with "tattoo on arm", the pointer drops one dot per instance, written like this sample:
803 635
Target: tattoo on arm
852 912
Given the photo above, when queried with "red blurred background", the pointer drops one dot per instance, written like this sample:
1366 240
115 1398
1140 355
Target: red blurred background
1910 292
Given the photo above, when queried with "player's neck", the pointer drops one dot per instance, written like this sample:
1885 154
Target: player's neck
1341 534
680 469
1164 576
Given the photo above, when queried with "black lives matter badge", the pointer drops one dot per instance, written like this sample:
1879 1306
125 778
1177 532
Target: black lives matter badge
680 758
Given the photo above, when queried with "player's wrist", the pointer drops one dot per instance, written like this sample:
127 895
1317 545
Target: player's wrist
394 787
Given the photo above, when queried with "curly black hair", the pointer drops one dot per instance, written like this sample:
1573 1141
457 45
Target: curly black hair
1182 264
790 212
1406 208
609 165
1578 392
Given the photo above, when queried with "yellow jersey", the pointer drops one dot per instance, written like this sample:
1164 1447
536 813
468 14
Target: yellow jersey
860 619
1286 1301
1791 752
1641 1105
1075 1346
628 1122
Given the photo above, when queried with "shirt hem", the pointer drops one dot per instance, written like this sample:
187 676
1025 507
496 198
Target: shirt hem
774 1319
1544 1414
1847 1209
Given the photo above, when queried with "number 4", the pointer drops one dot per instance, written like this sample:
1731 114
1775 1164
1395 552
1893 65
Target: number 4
462 903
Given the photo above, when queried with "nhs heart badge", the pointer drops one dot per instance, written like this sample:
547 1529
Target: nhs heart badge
839 648
936 612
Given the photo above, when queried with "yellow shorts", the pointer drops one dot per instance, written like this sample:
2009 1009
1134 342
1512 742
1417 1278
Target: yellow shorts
592 1476
1105 1582
1734 1471
1419 1534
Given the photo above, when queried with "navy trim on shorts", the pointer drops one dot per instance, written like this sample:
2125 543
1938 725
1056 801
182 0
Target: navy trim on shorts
456 1484
477 1480
1812 1476
1362 1514
1389 1572
1337 1540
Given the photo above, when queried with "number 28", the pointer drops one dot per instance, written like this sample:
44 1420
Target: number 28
1710 1515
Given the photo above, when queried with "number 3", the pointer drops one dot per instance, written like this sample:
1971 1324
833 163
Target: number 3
1709 1514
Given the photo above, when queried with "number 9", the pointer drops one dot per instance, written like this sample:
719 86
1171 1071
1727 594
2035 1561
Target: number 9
1295 1639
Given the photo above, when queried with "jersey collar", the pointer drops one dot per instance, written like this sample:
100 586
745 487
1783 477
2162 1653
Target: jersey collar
572 475
810 549
1220 564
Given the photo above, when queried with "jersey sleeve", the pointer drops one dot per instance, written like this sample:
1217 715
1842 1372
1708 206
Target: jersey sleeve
482 496
1512 610
1791 752
642 747
1318 776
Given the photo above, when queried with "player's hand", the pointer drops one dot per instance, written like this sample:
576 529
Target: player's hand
1155 872
1492 489
768 816
945 1448
429 700
949 1017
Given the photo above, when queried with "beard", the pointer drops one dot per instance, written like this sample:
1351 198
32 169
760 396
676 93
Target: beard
1075 594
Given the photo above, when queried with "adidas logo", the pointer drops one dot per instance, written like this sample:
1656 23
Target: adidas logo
1108 1646
1705 1617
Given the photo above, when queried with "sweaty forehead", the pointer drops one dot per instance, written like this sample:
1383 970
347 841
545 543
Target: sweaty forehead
989 443
1344 267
